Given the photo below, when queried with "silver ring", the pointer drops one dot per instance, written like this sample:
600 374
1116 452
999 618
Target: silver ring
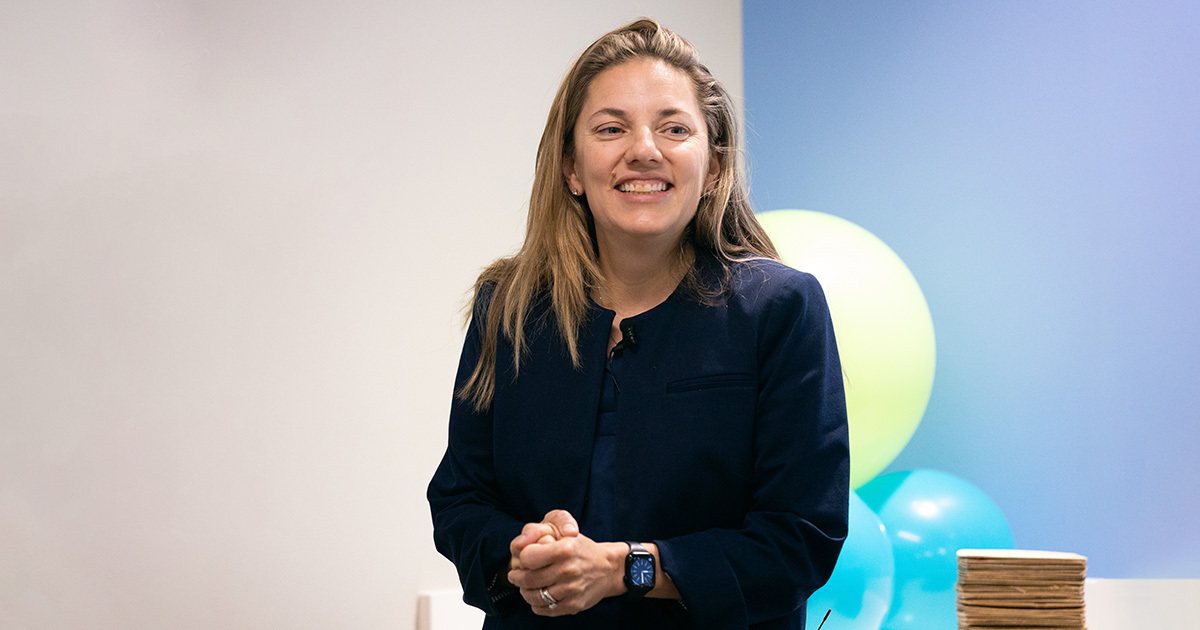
548 598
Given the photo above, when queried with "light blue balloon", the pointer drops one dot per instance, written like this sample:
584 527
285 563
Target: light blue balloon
929 515
860 589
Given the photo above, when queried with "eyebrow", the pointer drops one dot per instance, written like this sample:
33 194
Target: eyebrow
620 113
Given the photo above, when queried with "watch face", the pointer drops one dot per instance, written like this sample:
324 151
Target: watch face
641 573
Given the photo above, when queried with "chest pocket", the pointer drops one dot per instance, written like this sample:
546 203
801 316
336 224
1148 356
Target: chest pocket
710 381
715 413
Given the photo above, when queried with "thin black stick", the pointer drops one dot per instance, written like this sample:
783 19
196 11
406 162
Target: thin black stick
824 618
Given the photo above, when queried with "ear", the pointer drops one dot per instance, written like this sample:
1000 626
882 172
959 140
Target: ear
714 171
573 182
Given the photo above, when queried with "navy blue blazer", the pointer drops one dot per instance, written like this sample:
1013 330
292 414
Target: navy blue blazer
732 452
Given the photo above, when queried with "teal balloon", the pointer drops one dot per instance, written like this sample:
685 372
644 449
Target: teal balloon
859 592
929 515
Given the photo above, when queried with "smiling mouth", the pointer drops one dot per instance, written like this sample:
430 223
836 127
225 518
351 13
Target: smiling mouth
643 187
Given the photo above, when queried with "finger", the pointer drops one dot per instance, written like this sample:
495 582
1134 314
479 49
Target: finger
516 577
515 562
546 605
531 560
546 555
533 598
560 551
531 533
526 577
563 523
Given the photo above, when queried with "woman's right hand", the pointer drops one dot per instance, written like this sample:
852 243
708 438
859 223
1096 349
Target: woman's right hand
576 571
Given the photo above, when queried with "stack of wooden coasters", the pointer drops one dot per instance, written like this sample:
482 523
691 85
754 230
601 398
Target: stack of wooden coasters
1003 589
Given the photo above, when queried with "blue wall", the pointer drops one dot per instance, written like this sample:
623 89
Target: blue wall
1037 165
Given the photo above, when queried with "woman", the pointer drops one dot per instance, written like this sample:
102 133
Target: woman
649 429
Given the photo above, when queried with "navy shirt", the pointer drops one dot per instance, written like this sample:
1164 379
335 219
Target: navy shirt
597 522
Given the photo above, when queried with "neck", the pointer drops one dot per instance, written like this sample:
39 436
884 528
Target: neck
636 279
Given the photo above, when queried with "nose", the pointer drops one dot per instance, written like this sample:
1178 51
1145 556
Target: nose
643 147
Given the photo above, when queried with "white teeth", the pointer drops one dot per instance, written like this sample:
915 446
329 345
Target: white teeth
643 188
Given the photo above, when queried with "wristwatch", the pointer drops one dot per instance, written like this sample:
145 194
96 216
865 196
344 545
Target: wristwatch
639 571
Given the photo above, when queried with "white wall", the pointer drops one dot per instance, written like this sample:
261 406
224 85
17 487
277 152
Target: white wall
1158 604
234 237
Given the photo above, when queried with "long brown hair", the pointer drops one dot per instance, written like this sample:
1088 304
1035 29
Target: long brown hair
558 258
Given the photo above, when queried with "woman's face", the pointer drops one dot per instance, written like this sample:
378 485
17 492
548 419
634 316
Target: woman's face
641 153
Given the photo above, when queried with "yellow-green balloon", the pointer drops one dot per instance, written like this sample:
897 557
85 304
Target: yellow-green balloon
883 327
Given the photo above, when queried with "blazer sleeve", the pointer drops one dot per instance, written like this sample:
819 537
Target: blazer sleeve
793 531
470 525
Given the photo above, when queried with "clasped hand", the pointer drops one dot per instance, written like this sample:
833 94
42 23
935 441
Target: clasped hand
575 571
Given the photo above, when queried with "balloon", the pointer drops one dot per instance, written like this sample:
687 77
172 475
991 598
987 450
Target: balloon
929 515
860 589
883 327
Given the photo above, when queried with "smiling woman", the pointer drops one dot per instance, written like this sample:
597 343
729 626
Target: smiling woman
650 426
641 156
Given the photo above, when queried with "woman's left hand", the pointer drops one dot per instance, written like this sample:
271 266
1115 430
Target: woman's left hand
576 572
